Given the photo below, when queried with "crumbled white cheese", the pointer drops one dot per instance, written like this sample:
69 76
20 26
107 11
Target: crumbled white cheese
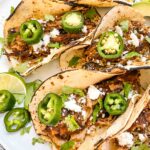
72 105
125 139
119 65
129 62
108 63
135 40
144 125
135 32
142 37
72 97
119 30
93 92
130 95
96 40
97 61
102 93
82 100
125 52
54 33
40 21
37 46
84 114
103 115
142 137
84 29
46 39
143 59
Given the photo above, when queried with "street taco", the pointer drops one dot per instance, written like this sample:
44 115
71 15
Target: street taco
136 134
45 31
67 112
97 3
121 41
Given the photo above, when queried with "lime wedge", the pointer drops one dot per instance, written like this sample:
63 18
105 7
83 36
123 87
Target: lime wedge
13 83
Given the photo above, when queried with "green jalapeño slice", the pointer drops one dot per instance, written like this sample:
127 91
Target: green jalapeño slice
111 45
31 31
115 104
72 22
7 101
49 109
16 119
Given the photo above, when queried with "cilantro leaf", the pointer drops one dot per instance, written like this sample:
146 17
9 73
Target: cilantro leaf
25 130
127 88
147 39
37 140
54 45
124 25
2 40
12 9
11 37
70 90
71 123
74 61
67 146
132 54
91 13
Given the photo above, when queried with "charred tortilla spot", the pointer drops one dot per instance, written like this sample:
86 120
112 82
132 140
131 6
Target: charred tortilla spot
52 83
43 87
60 76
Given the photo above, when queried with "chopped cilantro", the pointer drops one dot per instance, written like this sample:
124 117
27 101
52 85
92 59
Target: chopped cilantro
25 130
12 9
37 140
91 13
74 61
2 40
70 90
132 54
67 146
71 123
147 39
11 37
127 88
54 45
124 25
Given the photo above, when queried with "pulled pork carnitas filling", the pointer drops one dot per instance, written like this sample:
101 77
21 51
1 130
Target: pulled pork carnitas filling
128 43
138 136
75 112
36 39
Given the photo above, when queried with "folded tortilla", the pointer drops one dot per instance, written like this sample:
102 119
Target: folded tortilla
136 51
137 127
97 3
26 58
89 136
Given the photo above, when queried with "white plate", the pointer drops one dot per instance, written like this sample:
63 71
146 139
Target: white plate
15 141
